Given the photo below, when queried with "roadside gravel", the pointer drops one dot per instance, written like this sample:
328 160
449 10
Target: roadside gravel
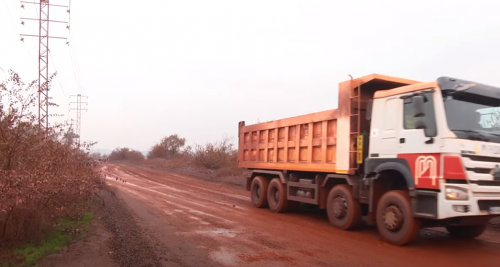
129 247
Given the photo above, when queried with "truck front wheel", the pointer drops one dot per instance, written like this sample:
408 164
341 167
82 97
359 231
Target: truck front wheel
276 196
466 231
258 192
395 221
344 212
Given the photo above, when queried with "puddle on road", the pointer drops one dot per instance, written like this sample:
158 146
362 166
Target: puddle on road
194 218
218 232
200 220
226 257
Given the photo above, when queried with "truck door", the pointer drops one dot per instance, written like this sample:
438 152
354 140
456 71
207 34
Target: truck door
420 151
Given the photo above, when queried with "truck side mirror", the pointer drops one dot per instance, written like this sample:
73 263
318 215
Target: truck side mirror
369 107
420 123
419 113
418 106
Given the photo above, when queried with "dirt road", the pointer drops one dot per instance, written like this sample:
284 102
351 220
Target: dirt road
200 223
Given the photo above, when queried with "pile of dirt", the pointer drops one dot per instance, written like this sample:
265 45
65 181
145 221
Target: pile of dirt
128 245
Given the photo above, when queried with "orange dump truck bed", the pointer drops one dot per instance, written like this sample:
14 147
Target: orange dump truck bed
320 142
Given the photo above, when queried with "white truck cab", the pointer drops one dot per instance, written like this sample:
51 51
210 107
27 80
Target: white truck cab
446 136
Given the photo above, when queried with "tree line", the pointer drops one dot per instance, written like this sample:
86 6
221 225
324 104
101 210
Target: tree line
212 155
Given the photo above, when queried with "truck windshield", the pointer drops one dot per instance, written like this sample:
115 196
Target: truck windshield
473 116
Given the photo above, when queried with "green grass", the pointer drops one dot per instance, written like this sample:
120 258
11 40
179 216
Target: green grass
54 241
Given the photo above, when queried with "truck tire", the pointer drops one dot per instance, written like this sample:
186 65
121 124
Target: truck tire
344 212
395 221
466 231
258 192
276 196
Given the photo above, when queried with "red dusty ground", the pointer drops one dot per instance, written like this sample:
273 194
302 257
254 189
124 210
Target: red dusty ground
224 229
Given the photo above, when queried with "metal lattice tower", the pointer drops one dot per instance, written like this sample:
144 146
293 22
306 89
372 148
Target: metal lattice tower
79 114
43 57
43 65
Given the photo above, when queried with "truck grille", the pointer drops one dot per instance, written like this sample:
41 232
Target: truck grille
486 183
479 169
482 158
485 205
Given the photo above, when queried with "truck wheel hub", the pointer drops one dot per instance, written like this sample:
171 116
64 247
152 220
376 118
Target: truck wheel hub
339 207
257 191
276 196
393 218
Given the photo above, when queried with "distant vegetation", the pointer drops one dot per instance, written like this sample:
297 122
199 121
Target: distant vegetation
43 175
172 151
126 154
213 156
169 147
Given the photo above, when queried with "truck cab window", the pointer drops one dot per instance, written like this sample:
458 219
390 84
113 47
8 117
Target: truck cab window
488 118
470 111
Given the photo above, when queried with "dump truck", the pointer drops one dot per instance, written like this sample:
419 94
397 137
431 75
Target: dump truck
402 153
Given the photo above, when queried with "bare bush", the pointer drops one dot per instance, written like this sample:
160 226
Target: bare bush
169 147
41 176
126 154
216 155
171 152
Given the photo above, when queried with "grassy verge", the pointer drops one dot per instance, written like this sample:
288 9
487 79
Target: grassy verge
65 231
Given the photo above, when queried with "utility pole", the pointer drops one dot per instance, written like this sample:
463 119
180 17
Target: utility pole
79 113
43 56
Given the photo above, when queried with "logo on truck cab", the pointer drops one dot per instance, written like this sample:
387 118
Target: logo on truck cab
426 167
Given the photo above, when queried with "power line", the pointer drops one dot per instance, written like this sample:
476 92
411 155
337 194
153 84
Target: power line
58 79
71 54
74 59
69 12
79 72
74 70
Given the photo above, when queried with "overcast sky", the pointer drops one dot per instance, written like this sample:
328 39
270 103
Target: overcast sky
197 68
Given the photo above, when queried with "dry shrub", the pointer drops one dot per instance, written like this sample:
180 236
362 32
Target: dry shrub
217 155
169 147
41 177
171 152
126 154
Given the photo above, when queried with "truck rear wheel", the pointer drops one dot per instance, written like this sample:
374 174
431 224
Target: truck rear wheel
395 221
276 196
258 192
466 231
344 212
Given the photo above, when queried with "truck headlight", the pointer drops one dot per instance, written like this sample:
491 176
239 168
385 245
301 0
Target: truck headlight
456 193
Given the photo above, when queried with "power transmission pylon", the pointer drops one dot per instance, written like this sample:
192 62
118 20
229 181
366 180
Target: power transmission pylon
43 57
79 114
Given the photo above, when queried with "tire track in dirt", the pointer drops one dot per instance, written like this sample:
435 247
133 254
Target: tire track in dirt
178 180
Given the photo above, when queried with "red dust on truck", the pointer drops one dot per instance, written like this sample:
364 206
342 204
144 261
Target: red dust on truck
403 153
